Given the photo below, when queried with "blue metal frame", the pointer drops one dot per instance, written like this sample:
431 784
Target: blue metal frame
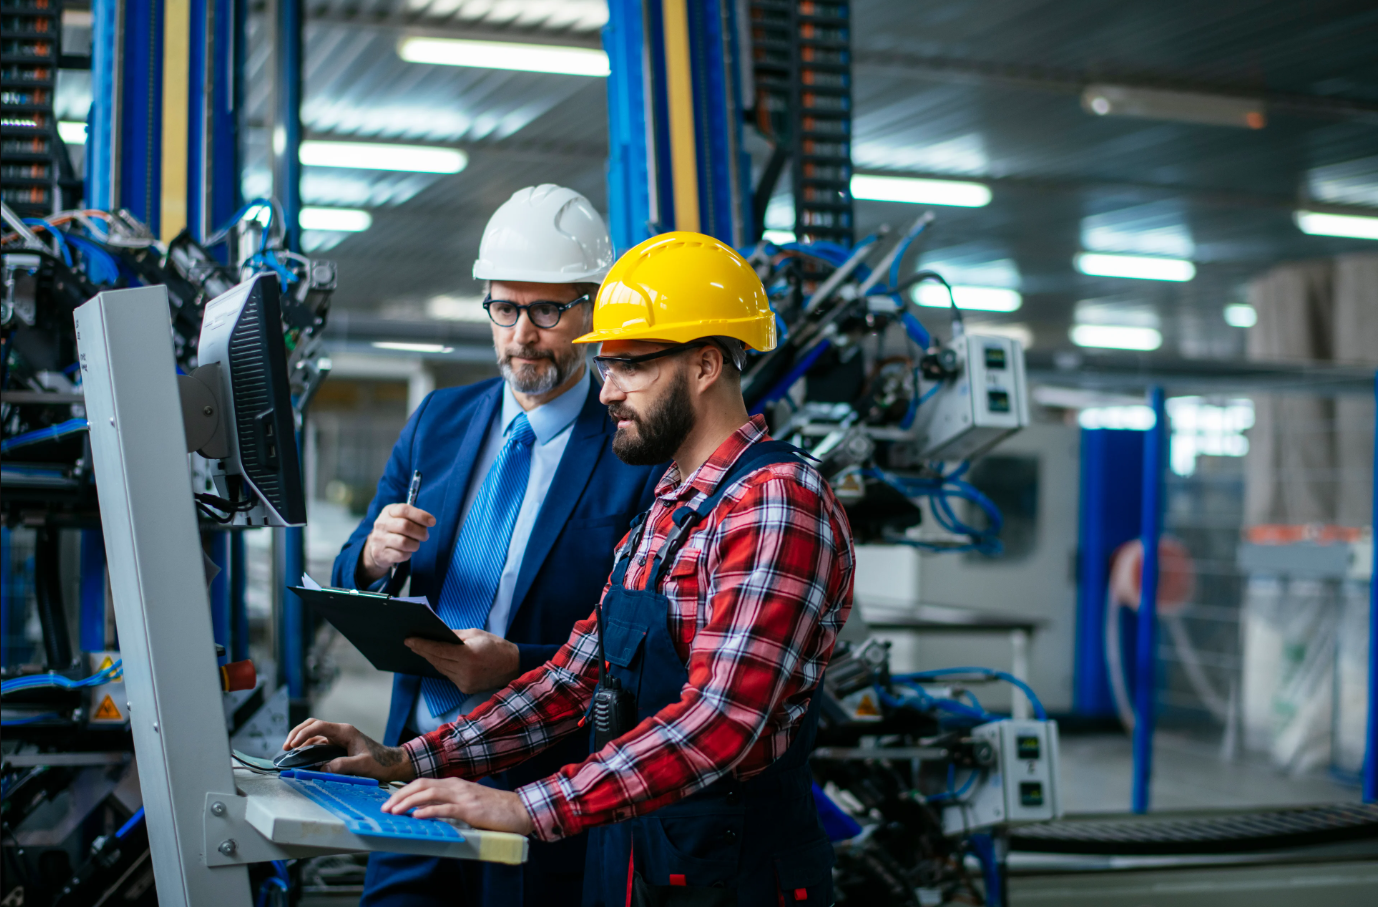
92 633
239 614
1110 504
629 198
1145 660
220 588
293 628
140 127
100 122
286 147
1371 749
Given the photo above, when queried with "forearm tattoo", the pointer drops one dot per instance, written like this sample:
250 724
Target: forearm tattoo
386 756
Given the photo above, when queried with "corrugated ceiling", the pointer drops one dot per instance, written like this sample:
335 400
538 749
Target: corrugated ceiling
985 89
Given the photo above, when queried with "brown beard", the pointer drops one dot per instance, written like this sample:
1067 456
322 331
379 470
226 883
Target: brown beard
660 432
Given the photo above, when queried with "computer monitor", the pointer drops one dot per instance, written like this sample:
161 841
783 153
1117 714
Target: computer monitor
242 333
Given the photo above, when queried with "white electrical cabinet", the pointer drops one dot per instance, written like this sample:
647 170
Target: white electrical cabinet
1020 785
985 402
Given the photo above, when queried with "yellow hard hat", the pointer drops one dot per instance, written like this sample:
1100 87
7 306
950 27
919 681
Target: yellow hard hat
682 286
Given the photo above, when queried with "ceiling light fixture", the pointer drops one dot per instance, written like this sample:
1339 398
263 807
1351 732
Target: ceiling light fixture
920 191
383 156
1116 337
71 132
412 347
1241 315
1139 267
552 58
981 299
340 220
1320 223
1181 106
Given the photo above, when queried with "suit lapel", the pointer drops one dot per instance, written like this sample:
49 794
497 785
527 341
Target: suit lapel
434 560
586 444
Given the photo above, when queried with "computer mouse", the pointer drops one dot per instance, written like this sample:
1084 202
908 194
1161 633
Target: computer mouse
309 756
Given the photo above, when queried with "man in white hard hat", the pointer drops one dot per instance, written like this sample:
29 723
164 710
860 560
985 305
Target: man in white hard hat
521 504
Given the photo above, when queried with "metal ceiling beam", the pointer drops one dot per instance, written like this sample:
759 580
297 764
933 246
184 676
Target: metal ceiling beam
1073 82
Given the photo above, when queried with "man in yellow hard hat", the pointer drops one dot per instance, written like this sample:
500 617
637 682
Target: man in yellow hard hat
697 669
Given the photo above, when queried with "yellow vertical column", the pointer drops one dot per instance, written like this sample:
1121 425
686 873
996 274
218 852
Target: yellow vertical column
176 99
679 90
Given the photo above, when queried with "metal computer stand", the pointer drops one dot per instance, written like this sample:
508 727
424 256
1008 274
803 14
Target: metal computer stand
205 819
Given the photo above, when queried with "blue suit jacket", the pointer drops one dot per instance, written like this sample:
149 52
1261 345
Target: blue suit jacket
592 500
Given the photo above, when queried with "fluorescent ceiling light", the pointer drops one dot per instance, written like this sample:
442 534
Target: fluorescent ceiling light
1141 267
920 191
412 347
1318 223
1136 417
1116 337
383 156
72 132
341 220
1181 106
1241 315
555 58
982 299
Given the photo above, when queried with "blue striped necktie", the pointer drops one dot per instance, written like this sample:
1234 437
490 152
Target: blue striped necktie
480 553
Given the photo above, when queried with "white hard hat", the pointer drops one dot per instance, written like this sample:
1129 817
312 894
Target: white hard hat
545 234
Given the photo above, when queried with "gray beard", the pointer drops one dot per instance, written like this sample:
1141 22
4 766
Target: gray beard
534 380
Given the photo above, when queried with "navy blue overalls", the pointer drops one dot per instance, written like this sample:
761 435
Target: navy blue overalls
757 842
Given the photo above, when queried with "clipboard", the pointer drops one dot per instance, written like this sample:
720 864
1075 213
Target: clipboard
378 624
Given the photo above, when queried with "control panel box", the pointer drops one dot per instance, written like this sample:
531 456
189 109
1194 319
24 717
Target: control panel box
1021 785
985 402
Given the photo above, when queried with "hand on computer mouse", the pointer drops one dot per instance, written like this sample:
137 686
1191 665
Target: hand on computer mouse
365 756
309 756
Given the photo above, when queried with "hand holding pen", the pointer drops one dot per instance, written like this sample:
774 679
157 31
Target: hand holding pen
397 534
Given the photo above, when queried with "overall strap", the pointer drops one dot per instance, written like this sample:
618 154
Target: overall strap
623 557
757 456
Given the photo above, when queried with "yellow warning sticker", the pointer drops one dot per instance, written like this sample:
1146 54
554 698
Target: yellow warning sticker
867 707
107 711
108 662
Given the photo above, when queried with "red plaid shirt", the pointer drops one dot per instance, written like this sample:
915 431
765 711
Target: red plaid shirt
757 596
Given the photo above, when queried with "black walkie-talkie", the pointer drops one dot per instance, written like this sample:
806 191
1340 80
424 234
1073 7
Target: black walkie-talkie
614 708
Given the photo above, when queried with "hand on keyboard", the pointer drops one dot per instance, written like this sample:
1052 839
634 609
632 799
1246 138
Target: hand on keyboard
452 798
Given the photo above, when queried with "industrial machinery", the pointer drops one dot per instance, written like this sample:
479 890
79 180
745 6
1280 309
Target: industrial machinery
892 412
73 817
920 785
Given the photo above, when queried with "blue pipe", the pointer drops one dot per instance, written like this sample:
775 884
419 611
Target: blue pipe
1371 750
1145 655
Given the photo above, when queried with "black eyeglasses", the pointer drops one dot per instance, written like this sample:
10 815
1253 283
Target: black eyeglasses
542 314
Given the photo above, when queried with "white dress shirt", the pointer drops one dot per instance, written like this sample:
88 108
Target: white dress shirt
552 423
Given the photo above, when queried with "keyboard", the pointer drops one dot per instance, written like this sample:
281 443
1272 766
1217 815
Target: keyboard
359 801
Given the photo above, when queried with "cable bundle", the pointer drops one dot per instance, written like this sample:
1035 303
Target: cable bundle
36 681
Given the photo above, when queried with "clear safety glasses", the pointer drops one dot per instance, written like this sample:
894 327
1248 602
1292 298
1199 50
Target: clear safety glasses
630 374
542 314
